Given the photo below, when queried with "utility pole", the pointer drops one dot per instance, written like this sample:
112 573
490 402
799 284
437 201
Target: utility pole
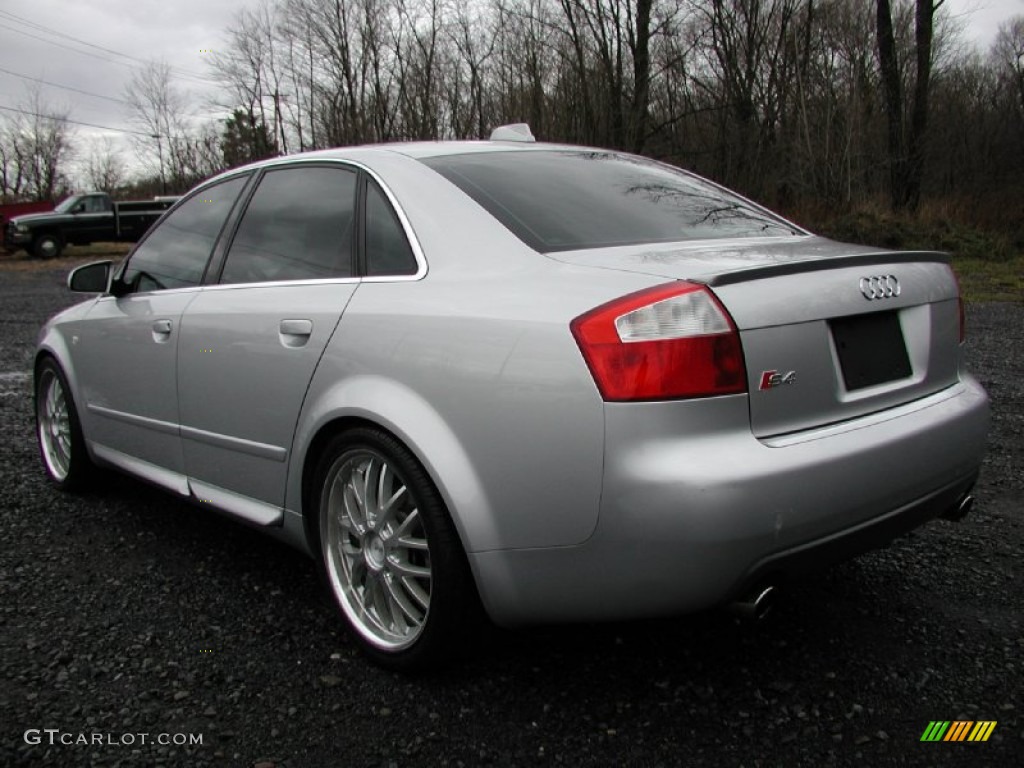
282 145
160 152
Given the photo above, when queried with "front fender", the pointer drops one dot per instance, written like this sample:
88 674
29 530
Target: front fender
56 339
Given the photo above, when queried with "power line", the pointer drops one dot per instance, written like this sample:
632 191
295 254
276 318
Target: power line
43 28
76 122
65 87
183 74
67 47
93 125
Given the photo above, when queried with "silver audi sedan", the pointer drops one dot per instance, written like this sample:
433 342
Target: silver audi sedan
557 384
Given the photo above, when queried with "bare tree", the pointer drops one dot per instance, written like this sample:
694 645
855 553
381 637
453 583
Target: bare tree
474 41
820 103
906 137
195 155
251 70
12 169
1008 54
748 61
531 72
105 168
158 110
36 147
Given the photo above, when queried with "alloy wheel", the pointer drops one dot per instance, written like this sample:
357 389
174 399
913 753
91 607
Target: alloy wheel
55 426
376 549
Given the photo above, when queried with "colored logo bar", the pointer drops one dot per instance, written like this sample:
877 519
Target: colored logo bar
958 730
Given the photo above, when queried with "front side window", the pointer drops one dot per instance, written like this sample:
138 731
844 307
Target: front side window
96 204
175 253
556 200
298 226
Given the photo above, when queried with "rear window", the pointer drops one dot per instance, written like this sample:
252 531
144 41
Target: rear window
562 200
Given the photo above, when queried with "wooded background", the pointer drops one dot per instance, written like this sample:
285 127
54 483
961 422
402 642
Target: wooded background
811 106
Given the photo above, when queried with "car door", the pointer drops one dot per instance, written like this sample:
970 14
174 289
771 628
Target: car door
126 352
94 219
250 343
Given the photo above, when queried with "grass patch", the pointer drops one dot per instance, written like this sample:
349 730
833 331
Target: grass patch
920 234
73 256
987 280
989 263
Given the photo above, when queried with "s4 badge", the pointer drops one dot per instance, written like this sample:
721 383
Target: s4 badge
772 379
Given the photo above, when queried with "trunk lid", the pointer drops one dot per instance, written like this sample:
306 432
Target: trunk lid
830 331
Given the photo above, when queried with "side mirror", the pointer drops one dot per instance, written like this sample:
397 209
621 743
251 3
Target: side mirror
90 278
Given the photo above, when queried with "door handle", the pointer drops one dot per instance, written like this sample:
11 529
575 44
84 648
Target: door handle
161 331
294 333
296 327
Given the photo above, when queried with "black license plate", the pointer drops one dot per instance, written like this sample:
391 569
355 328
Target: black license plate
871 349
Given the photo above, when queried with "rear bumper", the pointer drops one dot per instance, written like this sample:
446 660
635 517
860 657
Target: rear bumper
695 508
854 541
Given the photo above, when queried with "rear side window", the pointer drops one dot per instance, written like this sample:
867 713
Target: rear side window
175 253
299 225
96 204
387 249
561 200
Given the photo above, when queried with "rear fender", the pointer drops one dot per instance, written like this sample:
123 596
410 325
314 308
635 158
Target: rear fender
388 404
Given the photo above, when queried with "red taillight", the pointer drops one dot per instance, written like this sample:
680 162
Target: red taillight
671 341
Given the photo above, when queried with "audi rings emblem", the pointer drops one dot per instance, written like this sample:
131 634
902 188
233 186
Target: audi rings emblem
879 287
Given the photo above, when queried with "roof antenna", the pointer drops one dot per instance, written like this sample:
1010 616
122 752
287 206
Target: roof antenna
513 132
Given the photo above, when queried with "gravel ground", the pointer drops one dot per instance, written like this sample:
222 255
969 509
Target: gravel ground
131 613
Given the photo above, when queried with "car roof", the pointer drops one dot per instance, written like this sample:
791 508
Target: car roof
418 150
423 149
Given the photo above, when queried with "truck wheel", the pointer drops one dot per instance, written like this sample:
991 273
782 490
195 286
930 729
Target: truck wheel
47 247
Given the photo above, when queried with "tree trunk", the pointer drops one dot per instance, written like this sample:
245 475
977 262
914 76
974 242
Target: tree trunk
641 75
907 147
893 91
924 24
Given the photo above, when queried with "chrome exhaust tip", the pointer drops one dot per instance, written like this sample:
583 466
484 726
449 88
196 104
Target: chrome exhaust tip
960 511
755 605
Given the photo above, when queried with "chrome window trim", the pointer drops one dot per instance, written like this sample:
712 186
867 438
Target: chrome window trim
282 163
410 234
157 292
285 283
267 284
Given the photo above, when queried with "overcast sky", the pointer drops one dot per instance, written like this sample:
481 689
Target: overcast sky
51 40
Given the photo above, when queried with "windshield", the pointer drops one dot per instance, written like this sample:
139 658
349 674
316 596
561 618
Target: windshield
562 200
67 205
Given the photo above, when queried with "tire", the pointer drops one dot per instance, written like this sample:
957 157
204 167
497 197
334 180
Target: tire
47 247
58 429
396 568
